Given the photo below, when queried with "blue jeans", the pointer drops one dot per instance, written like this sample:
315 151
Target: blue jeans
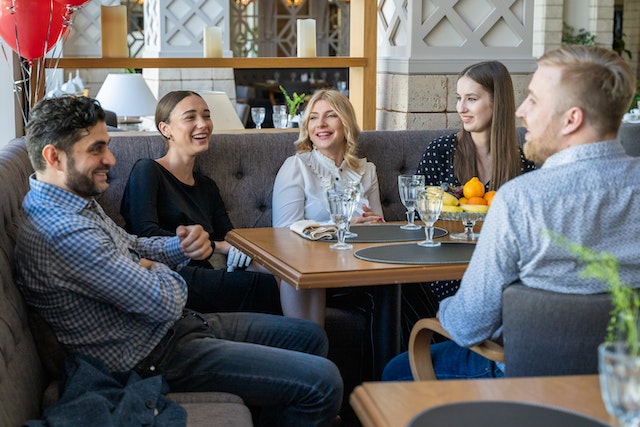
450 361
272 362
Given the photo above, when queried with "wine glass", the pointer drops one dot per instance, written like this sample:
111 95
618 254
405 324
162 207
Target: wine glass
356 188
429 204
341 205
257 114
409 186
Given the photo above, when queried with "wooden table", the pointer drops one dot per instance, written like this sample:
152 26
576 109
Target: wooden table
309 264
394 404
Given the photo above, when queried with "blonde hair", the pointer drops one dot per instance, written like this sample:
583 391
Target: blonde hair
595 79
494 77
341 105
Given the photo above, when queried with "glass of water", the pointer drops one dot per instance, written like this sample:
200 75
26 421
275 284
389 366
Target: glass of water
279 116
340 209
619 372
409 186
429 204
257 114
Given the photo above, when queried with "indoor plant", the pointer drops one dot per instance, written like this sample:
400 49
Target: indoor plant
293 103
618 358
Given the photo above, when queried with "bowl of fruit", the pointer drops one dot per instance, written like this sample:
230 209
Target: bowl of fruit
467 203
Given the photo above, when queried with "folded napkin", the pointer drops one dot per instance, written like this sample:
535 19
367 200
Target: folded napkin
310 229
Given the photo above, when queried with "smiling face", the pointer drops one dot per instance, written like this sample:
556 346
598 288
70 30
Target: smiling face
189 126
474 105
89 162
539 114
326 131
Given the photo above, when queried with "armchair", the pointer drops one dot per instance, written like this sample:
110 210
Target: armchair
545 333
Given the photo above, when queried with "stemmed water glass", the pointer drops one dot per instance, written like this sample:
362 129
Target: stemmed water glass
257 114
409 186
429 204
356 188
341 205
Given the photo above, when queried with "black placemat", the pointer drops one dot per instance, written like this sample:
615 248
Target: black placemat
411 253
380 233
500 414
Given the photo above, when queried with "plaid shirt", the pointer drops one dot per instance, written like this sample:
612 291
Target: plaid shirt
82 274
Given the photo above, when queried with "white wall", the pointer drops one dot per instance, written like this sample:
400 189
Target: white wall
7 99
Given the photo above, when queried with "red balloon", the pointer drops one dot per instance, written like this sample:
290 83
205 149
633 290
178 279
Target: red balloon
31 27
72 3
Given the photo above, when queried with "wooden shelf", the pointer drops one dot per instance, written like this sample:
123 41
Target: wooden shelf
269 62
362 65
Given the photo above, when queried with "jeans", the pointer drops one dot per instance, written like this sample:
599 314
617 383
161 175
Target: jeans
450 361
272 362
214 291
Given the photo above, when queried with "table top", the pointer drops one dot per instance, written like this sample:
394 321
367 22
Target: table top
308 264
394 404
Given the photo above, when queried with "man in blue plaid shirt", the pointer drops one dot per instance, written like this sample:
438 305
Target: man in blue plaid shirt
118 297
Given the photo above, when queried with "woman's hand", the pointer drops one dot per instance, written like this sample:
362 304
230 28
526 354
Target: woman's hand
368 216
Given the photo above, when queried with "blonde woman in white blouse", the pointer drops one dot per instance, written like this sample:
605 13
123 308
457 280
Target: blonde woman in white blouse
325 154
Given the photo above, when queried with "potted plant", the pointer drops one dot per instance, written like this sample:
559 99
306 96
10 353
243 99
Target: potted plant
618 356
293 104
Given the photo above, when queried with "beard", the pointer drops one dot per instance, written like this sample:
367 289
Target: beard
79 183
540 148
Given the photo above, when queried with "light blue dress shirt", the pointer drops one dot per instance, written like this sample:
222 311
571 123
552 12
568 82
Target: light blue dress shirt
588 193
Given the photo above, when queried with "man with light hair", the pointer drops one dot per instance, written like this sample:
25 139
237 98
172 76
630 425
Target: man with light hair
587 190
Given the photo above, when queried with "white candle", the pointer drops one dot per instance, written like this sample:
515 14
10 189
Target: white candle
114 31
306 38
212 42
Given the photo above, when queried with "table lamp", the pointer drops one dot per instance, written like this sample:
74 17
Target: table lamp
127 95
223 113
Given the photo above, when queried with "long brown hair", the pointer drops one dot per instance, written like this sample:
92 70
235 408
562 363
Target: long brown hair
345 112
494 77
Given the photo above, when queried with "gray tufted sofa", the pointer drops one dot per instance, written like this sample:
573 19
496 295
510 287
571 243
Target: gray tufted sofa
244 166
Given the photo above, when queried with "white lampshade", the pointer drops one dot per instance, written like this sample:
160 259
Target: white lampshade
127 95
223 113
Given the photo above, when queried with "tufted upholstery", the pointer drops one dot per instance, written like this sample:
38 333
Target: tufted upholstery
22 379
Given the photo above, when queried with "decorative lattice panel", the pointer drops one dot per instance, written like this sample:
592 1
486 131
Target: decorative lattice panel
449 29
173 28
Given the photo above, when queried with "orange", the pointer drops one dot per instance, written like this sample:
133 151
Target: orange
488 196
462 200
476 201
473 188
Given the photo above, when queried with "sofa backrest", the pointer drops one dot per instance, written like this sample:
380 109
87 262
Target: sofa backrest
245 164
22 378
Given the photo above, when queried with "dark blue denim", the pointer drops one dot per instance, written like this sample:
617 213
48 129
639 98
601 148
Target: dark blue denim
450 361
274 363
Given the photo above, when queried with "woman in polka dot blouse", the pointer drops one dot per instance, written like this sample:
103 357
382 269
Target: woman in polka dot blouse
486 147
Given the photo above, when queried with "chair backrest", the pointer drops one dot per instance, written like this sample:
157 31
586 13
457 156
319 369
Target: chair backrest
549 333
